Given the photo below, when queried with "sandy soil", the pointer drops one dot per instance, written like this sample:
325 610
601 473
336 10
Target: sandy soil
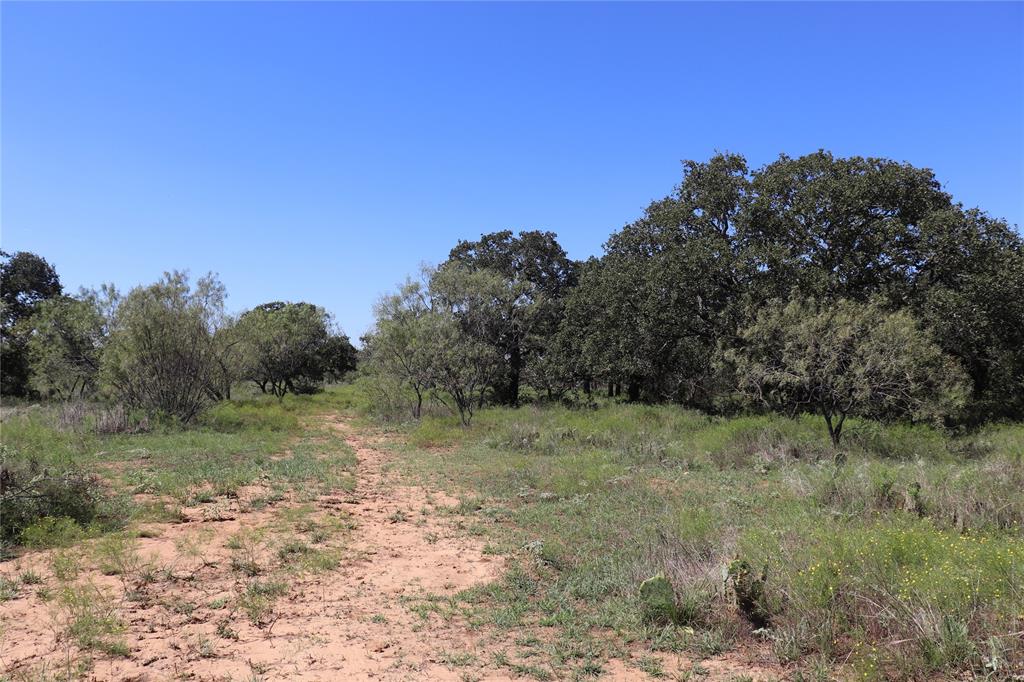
347 623
352 622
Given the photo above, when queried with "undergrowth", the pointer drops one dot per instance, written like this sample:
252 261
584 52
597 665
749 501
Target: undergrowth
903 558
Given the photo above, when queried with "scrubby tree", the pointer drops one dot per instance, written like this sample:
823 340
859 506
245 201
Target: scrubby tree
291 347
399 347
159 355
430 339
64 346
462 366
226 359
26 279
843 358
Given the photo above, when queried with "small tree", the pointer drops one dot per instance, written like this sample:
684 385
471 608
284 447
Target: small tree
843 359
398 347
64 346
462 366
225 359
25 281
159 353
291 347
429 340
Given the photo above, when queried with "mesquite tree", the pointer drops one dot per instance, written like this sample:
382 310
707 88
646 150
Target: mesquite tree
846 358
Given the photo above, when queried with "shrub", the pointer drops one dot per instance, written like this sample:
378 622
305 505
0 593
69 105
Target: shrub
845 358
30 493
52 531
160 356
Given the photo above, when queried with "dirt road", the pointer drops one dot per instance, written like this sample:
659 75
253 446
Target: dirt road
296 587
351 622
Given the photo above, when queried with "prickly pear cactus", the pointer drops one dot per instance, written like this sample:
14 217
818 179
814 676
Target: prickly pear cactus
658 600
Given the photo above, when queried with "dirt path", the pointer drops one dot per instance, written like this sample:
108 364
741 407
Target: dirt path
214 597
404 549
351 622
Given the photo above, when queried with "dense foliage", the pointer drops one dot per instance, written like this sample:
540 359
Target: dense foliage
168 348
290 347
25 281
871 251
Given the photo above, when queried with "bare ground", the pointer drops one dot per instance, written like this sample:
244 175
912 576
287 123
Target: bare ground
183 603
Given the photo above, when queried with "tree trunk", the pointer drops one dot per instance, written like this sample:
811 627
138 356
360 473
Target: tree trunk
633 391
831 431
835 431
515 363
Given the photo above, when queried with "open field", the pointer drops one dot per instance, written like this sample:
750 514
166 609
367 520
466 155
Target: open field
284 551
301 540
512 341
906 561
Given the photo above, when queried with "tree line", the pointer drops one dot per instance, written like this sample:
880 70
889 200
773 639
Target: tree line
835 286
168 348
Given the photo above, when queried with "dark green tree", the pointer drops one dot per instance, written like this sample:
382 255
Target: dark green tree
291 348
524 314
968 288
651 312
836 227
25 280
338 357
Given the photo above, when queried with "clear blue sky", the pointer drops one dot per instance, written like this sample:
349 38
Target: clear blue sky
321 151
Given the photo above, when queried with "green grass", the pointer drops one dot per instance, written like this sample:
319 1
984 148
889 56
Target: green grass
91 621
905 561
95 494
258 441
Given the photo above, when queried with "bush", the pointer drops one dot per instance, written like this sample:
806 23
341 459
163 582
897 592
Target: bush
160 356
52 531
30 493
658 601
846 358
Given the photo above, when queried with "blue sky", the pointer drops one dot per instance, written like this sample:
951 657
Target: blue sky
322 151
